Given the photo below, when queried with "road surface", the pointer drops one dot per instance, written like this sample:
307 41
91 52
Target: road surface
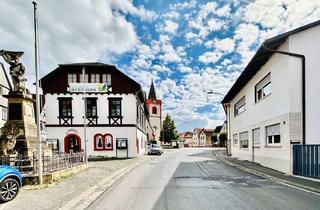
195 179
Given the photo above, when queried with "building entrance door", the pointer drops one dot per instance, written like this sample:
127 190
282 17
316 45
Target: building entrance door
72 142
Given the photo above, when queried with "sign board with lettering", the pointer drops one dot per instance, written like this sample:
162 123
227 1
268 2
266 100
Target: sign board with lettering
89 88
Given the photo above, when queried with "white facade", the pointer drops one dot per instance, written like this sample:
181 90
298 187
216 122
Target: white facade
129 129
4 90
195 139
281 108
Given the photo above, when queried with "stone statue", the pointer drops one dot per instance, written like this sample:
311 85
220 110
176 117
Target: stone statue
17 69
11 131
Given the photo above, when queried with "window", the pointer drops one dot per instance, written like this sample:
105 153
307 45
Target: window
95 78
256 136
4 113
108 141
72 78
103 142
263 88
65 107
244 141
91 107
235 139
86 78
273 134
115 107
98 142
154 110
240 106
106 78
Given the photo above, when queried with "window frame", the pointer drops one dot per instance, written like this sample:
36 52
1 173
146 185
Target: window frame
154 110
91 99
236 110
253 139
95 142
237 142
114 106
105 141
72 78
60 107
106 78
4 113
240 144
104 146
273 136
256 90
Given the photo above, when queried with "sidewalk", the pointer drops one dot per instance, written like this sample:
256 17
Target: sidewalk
69 192
257 169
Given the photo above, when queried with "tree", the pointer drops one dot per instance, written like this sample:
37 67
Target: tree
214 138
223 138
169 130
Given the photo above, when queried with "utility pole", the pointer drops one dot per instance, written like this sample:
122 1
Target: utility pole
36 61
85 114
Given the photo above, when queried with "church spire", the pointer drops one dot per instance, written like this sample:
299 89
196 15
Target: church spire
152 92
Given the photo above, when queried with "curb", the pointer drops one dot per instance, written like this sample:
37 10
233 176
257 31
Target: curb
84 199
258 173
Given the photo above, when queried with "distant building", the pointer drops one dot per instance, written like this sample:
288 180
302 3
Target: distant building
272 106
186 138
155 113
201 137
116 112
5 88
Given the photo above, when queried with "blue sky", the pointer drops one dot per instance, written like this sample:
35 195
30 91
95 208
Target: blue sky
186 47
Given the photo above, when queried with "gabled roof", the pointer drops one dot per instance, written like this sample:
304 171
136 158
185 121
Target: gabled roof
197 131
208 132
260 58
218 129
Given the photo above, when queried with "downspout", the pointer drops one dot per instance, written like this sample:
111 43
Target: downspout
303 99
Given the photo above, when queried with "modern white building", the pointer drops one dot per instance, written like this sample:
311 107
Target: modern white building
275 101
5 88
116 111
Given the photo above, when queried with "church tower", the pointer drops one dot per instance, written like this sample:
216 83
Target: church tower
155 112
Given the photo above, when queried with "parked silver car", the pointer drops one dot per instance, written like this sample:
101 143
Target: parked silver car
155 149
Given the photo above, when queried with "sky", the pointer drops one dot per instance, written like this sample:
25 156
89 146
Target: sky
187 47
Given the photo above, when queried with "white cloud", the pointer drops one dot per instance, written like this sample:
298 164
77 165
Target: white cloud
169 27
126 7
70 31
210 57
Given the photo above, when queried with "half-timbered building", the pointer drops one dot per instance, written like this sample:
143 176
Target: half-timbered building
115 123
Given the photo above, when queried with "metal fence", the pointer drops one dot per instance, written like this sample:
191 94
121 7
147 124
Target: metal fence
29 165
306 160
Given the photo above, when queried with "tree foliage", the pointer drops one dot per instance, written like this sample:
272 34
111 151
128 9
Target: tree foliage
214 138
169 128
223 138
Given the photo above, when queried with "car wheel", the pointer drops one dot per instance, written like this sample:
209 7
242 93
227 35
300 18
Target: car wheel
9 189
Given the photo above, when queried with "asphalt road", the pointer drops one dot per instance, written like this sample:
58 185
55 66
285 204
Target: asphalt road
194 179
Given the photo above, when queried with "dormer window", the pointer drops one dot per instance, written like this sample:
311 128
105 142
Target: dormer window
86 78
72 78
95 78
106 78
154 110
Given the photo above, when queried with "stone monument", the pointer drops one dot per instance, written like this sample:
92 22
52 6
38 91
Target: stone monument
19 133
